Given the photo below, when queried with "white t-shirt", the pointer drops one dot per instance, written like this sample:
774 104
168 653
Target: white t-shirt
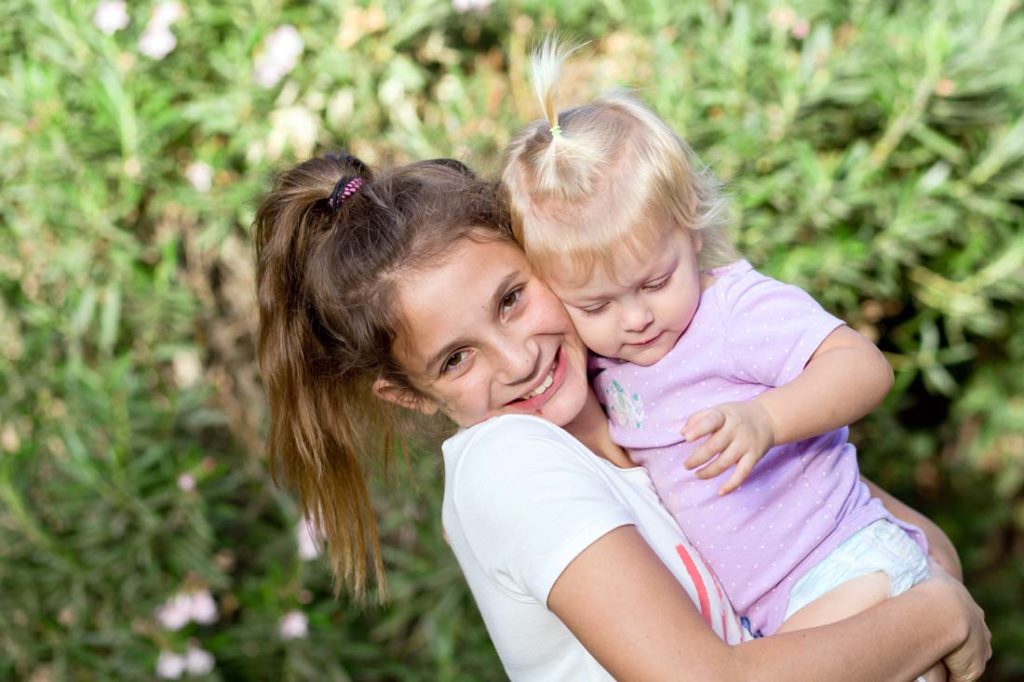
522 499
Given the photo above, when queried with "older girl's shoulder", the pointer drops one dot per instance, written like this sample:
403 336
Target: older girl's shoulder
506 441
508 426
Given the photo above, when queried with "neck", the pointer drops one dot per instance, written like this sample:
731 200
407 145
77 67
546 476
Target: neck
590 427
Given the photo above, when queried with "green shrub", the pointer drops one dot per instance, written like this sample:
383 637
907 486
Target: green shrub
874 151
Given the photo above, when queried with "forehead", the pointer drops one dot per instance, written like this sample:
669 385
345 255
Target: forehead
634 263
453 298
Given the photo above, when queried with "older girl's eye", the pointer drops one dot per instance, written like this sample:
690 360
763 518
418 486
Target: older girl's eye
657 284
509 300
454 361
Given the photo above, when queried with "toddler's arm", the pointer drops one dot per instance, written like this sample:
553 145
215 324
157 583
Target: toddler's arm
845 378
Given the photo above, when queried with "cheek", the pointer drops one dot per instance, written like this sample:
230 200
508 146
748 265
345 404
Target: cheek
546 315
467 412
587 328
549 307
601 338
681 303
466 401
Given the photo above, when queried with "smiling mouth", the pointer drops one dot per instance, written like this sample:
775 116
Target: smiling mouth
537 395
544 385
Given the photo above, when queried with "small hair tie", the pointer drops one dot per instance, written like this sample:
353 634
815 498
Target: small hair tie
556 131
345 188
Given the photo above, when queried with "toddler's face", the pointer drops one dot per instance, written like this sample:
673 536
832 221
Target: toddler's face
637 309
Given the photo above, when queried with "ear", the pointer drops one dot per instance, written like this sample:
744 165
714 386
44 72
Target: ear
386 390
697 239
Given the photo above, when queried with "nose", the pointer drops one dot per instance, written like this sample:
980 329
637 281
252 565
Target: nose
636 317
518 361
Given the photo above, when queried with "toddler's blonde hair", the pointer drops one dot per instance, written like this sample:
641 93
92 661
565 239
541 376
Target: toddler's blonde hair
587 182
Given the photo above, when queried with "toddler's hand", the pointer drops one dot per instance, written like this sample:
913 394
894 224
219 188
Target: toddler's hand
738 433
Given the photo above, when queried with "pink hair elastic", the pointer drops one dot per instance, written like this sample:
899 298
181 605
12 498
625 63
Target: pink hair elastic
345 188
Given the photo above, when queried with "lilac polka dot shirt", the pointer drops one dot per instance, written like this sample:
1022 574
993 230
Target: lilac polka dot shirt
750 333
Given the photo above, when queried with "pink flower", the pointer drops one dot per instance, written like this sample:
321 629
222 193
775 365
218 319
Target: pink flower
157 44
157 41
166 13
185 607
306 539
187 482
110 16
175 613
463 6
294 625
198 661
202 607
801 27
200 175
170 665
278 56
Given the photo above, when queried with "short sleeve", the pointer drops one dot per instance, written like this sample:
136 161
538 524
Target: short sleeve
772 329
528 502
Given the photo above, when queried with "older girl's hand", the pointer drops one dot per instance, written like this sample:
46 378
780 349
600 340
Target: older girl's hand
967 662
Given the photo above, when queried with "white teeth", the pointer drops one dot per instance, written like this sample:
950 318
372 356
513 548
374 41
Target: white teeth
544 386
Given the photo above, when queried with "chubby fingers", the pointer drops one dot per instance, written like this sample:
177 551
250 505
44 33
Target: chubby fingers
743 468
709 450
729 455
700 424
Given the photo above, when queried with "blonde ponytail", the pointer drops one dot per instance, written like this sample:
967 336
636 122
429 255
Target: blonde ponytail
546 72
584 183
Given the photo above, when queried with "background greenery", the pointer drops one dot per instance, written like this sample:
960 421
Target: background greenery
874 150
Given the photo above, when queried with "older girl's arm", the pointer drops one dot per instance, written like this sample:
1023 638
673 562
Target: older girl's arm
627 609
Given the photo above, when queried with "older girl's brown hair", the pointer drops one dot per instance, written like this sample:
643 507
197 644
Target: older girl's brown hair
326 274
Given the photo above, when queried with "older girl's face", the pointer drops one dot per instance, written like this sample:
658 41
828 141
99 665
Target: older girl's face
483 337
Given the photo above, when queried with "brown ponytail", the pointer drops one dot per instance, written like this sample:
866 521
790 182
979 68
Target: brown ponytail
326 271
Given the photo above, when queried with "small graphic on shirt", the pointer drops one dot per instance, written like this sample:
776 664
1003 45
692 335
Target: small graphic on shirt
625 409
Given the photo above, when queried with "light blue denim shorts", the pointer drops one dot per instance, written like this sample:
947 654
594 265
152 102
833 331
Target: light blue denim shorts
879 546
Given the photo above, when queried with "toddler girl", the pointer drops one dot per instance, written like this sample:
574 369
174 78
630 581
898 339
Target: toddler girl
704 362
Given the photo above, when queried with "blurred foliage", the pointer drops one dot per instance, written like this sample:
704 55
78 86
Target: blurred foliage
874 151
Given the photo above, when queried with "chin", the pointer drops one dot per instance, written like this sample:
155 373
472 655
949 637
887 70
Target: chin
646 357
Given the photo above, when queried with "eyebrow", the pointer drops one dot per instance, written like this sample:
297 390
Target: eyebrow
449 348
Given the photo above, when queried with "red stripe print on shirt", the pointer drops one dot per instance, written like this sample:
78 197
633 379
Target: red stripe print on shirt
726 635
698 582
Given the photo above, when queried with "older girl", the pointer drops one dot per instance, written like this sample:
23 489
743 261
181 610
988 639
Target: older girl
404 292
